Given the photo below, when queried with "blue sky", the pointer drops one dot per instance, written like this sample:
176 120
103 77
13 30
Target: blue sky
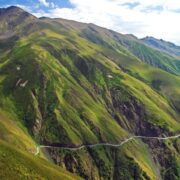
158 18
35 5
63 3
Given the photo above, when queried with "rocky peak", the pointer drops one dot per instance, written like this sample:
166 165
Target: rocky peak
12 17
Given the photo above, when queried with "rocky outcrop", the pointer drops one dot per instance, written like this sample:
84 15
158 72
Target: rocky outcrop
133 113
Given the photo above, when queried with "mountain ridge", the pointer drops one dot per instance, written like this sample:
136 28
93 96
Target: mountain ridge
64 82
162 45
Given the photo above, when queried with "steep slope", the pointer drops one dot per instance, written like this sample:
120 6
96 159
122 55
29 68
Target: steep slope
15 164
12 132
114 50
162 45
113 40
13 19
65 83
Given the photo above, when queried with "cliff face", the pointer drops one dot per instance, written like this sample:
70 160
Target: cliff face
66 84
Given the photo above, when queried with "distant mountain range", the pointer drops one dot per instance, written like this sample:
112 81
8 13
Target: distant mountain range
162 45
70 84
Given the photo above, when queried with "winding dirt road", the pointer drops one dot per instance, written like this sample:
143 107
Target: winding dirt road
103 144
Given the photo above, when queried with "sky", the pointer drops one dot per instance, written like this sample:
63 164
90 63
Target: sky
157 18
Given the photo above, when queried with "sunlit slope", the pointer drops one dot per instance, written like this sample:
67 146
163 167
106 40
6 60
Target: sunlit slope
15 164
127 51
113 40
57 77
63 82
14 133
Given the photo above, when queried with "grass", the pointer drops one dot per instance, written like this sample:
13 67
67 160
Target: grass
19 165
82 90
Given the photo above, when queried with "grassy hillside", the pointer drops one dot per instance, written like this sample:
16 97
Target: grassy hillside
160 44
152 56
63 82
15 164
123 43
14 133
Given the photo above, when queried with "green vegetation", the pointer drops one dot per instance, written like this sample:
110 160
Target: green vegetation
63 82
15 164
165 46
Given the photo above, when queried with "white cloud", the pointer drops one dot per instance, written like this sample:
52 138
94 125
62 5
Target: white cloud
158 18
44 2
53 5
47 4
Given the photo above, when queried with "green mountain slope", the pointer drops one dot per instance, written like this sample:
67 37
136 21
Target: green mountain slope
116 41
15 164
65 83
162 45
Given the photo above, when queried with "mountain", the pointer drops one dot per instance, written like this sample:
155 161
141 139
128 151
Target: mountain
19 165
12 19
148 55
65 85
160 44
